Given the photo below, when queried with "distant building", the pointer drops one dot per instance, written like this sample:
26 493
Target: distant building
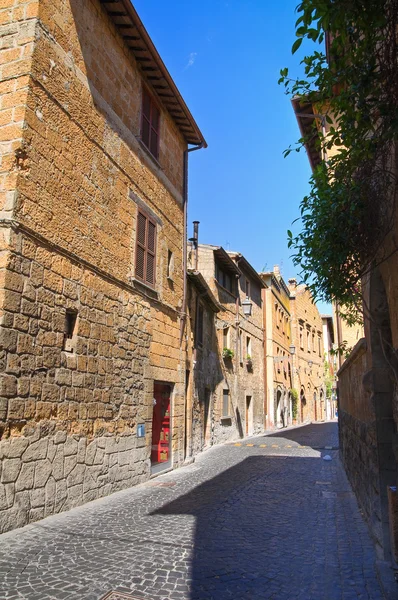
278 365
308 358
226 389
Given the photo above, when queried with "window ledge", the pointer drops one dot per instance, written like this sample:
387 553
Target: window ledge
225 419
149 153
145 288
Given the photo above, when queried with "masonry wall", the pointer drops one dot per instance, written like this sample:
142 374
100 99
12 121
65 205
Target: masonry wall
238 377
308 360
75 178
205 367
358 434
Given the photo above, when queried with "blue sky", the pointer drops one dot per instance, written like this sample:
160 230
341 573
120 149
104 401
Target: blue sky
225 57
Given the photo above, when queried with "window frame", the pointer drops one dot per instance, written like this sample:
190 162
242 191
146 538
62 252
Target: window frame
145 248
226 394
153 105
200 325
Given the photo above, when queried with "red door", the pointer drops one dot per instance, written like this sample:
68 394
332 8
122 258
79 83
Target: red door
161 424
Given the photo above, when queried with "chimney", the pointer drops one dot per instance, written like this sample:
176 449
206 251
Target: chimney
277 270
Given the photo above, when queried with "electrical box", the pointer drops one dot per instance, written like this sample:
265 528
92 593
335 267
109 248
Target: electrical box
141 430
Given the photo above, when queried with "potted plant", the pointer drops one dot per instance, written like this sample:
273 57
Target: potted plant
249 362
228 354
294 396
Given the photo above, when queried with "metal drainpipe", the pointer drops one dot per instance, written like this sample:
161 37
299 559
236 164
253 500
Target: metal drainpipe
184 269
184 255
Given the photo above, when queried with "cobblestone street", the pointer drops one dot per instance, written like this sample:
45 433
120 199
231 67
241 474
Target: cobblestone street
266 519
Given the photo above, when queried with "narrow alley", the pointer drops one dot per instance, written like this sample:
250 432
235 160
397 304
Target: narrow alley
266 518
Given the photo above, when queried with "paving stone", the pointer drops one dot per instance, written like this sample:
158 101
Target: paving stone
238 523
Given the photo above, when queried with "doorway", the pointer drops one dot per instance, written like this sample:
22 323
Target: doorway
249 416
206 421
161 428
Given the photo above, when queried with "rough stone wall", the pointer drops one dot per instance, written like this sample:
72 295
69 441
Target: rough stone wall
78 175
237 377
68 419
204 363
358 435
308 360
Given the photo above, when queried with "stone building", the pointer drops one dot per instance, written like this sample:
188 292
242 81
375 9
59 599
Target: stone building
367 385
94 136
346 336
277 349
330 366
228 376
308 356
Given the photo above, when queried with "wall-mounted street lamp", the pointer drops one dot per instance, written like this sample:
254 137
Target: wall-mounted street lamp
247 306
292 349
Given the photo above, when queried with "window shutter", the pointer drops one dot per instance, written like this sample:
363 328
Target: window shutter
145 264
150 124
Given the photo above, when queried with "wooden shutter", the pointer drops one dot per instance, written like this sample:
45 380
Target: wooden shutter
150 124
145 263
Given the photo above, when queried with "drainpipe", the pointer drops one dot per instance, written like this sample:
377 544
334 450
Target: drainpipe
184 250
184 272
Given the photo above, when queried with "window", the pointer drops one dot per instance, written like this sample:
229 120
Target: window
301 338
319 345
313 343
247 288
199 325
240 346
170 264
225 403
224 279
150 124
308 342
248 346
70 327
145 261
225 340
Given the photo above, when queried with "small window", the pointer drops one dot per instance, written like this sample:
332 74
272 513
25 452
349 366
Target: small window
225 403
199 325
150 124
170 264
70 327
226 340
301 338
308 342
319 346
313 343
145 260
247 288
240 346
248 347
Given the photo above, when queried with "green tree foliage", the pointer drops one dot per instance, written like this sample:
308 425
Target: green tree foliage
354 86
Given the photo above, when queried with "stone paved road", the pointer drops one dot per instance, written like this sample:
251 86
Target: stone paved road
270 520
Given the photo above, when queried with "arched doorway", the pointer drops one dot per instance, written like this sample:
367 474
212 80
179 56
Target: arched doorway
315 407
278 421
302 403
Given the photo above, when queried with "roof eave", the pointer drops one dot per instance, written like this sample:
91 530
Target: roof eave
185 121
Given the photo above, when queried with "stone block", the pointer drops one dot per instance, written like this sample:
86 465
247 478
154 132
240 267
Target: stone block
36 451
8 339
71 447
38 497
10 470
26 477
13 447
43 471
76 476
